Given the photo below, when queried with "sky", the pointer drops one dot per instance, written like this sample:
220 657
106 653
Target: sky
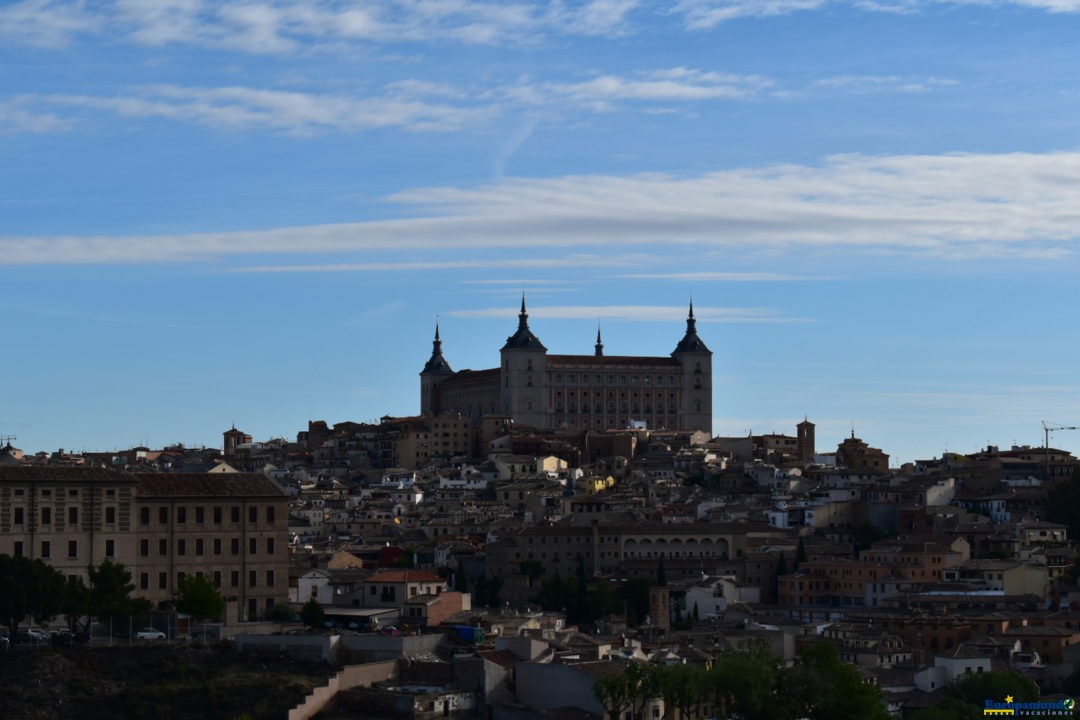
254 212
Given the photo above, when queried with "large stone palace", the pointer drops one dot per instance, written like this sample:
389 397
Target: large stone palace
597 391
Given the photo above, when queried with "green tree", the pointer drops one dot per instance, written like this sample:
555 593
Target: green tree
821 686
532 569
110 599
682 688
461 580
279 613
744 684
199 597
29 588
313 614
613 692
1063 504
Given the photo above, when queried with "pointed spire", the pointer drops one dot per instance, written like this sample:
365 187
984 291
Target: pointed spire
599 342
437 363
523 316
691 342
524 337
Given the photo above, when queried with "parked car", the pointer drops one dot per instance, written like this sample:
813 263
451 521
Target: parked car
62 639
149 634
31 636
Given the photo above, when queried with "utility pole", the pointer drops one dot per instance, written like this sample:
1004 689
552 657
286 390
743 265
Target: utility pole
1048 428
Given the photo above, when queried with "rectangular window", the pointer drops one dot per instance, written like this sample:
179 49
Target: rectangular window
253 578
180 578
73 516
163 547
18 549
217 546
18 516
270 578
73 549
144 548
200 515
234 578
144 516
199 546
163 515
46 516
253 545
234 514
162 580
217 578
217 514
181 515
253 514
110 548
271 515
181 547
144 581
110 515
235 546
46 549
269 546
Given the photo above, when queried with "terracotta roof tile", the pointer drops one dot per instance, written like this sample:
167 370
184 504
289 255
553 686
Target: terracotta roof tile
207 485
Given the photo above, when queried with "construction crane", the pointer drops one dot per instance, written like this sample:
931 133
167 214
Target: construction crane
1048 428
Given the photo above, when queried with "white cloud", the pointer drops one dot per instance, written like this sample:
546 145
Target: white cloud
17 117
862 84
286 26
962 206
242 107
634 313
719 277
48 23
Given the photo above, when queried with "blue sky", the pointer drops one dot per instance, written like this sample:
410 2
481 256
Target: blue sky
253 212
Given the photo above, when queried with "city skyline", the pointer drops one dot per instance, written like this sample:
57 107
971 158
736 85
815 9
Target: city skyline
218 213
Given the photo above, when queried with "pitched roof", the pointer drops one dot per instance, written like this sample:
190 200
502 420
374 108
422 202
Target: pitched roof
38 473
401 576
207 485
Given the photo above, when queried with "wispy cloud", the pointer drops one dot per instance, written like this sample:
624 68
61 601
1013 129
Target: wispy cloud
720 277
707 14
284 27
866 84
1018 205
575 260
236 108
636 313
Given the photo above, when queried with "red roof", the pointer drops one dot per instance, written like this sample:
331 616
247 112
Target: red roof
404 576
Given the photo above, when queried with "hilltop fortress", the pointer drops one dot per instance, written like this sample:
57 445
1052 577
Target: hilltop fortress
592 392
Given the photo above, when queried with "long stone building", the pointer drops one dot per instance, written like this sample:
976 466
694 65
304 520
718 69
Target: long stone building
232 528
593 392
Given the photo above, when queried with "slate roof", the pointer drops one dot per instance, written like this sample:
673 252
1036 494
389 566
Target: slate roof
209 485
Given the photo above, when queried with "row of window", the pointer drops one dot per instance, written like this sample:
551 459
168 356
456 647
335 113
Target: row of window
45 515
199 545
71 493
72 549
234 579
598 379
199 514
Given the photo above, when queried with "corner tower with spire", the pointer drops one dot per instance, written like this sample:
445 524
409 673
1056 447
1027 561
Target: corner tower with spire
436 369
695 403
523 374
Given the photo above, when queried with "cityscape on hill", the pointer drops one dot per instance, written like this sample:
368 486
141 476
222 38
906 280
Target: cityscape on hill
562 531
539 359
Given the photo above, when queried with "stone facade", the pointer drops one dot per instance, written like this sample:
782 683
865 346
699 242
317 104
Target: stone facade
595 391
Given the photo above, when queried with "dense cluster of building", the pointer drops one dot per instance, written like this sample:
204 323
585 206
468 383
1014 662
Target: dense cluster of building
551 467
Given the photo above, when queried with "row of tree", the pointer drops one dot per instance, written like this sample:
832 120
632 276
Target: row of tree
34 590
754 685
747 685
